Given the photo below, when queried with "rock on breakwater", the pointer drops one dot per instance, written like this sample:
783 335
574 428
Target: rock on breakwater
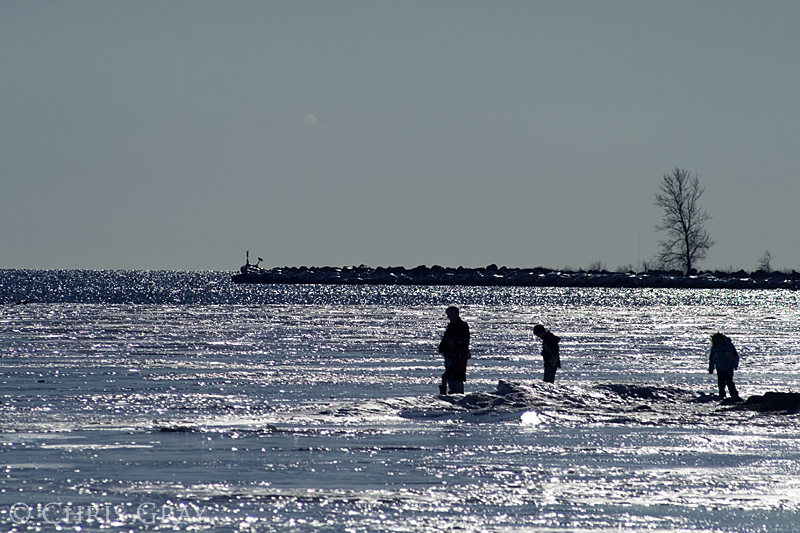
526 277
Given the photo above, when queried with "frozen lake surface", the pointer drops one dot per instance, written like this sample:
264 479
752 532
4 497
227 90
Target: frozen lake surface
180 402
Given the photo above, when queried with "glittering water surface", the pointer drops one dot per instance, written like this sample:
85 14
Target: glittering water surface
180 402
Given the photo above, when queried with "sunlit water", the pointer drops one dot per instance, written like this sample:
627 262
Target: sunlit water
180 402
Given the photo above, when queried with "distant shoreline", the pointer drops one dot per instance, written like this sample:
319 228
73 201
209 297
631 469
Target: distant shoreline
492 276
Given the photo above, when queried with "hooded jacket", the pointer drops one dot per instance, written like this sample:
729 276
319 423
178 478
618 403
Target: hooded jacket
723 357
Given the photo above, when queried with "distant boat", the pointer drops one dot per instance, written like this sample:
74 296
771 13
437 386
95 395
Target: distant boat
249 268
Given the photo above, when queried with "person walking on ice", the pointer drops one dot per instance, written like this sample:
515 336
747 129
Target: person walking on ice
724 357
455 349
552 361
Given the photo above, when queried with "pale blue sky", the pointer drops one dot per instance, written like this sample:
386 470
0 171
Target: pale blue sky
178 134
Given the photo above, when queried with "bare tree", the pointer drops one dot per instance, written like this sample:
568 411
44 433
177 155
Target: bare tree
597 266
765 262
687 242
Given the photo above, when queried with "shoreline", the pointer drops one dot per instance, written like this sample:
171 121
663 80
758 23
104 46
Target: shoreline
493 276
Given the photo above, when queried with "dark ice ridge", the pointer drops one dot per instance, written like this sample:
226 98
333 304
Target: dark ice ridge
605 402
644 397
525 277
535 403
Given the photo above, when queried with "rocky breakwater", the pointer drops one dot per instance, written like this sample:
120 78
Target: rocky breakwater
517 277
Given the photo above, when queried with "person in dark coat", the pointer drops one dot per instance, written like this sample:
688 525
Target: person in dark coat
552 361
724 357
455 349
